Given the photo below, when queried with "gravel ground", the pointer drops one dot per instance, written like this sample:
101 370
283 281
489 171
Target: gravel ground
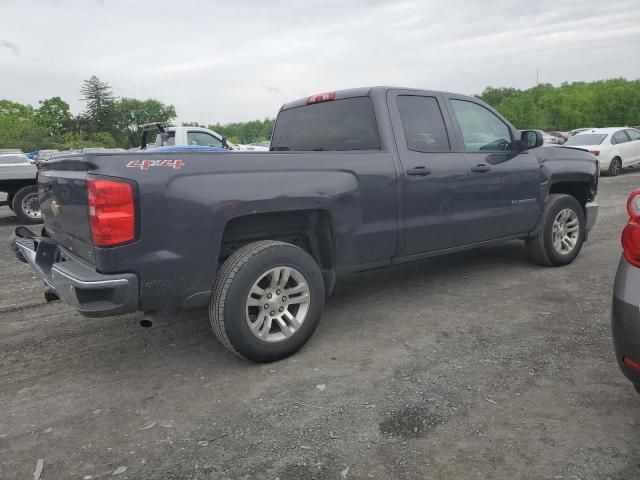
479 365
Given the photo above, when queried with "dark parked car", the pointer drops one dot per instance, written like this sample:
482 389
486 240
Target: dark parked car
625 313
355 179
561 136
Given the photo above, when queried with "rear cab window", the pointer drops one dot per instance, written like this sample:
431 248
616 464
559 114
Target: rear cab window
336 125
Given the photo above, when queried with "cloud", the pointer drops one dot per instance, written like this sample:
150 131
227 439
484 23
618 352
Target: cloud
241 60
272 89
14 48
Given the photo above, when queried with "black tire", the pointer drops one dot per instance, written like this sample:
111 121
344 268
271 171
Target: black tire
17 205
227 307
615 167
540 248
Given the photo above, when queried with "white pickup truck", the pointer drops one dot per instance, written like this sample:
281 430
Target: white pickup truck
18 182
191 136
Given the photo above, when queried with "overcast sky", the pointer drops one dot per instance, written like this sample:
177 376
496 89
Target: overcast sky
240 60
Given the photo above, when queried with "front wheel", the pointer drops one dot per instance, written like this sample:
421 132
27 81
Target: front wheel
267 300
561 234
26 205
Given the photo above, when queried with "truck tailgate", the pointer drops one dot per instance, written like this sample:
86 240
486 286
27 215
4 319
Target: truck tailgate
63 200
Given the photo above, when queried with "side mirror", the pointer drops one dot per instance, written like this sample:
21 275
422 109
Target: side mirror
531 139
225 144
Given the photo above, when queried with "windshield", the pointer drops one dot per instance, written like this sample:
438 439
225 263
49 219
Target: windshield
585 139
337 125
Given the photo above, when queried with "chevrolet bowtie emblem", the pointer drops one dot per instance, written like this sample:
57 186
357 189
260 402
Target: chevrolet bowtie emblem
55 208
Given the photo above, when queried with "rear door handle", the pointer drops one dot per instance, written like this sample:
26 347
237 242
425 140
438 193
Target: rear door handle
419 171
481 168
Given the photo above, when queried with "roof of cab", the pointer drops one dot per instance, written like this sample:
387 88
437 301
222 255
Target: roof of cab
355 92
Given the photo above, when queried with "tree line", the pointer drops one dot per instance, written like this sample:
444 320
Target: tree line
109 121
605 103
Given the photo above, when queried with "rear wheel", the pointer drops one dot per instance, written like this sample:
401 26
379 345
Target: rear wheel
615 167
26 205
267 300
562 233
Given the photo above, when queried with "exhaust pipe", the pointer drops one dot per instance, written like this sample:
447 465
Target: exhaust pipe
147 318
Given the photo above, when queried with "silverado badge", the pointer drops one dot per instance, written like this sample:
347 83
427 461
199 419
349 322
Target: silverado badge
55 208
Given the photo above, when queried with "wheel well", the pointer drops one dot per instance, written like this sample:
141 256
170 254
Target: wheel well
579 190
11 187
311 230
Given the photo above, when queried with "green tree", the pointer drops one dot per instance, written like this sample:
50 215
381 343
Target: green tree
100 100
614 102
19 129
246 132
131 112
15 109
54 115
78 140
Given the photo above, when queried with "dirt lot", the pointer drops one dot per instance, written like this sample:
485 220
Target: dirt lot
479 365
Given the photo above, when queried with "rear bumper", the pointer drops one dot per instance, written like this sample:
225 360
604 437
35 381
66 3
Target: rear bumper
625 318
91 293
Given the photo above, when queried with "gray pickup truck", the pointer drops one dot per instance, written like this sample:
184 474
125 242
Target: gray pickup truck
18 182
355 179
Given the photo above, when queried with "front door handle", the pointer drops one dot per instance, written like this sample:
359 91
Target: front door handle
420 171
481 168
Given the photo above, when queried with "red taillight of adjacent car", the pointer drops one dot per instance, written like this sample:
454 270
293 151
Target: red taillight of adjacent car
595 153
111 212
631 232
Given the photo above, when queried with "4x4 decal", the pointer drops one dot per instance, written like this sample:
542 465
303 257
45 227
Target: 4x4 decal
147 164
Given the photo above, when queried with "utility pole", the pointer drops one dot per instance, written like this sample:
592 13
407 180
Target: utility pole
536 99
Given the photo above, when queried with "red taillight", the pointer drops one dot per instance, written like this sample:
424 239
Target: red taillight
321 97
111 212
633 205
631 363
595 152
631 232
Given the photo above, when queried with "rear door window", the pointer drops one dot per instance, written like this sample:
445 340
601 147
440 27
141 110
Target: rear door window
633 134
337 125
619 137
423 124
